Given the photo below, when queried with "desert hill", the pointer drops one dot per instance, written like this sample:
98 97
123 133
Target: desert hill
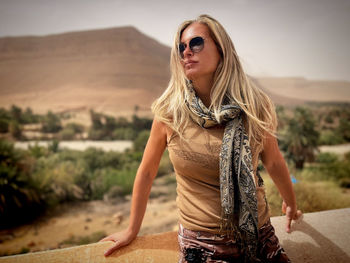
307 90
111 71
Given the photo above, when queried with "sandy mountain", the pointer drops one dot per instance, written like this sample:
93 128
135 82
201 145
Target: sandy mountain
112 70
301 89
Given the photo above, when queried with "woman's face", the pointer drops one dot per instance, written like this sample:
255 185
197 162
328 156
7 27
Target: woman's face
203 63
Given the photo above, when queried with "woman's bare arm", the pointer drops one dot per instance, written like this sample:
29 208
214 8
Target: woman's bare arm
277 168
142 186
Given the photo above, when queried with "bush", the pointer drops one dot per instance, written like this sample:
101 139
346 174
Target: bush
67 134
344 129
311 196
37 151
96 134
141 140
124 134
19 195
55 179
329 137
105 179
326 158
76 127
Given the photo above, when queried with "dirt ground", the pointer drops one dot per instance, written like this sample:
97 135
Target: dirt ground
70 224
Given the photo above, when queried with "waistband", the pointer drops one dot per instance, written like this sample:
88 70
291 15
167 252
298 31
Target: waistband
184 232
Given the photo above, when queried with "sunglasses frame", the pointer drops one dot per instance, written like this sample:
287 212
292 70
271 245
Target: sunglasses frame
183 46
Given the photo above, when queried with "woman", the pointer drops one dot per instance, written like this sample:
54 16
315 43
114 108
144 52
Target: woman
216 126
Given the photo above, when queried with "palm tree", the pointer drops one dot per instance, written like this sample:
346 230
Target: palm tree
300 138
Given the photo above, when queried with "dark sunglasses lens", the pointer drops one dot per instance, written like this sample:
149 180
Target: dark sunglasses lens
182 48
196 44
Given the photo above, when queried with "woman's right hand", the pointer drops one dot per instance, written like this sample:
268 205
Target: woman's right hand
120 239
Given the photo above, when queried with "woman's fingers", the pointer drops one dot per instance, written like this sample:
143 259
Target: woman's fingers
284 207
298 216
120 239
289 218
106 239
113 248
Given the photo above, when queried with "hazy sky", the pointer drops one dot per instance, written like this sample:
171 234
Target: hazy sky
309 38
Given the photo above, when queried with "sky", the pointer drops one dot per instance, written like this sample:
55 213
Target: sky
273 38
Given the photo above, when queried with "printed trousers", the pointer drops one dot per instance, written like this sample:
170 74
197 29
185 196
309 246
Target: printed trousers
204 247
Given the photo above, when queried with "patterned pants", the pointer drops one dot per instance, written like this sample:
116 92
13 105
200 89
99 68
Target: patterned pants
204 247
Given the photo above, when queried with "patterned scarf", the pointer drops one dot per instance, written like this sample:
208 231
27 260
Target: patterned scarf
237 187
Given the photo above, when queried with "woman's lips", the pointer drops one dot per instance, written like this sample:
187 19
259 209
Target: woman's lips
190 63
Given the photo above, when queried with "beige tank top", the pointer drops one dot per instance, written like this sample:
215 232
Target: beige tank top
196 165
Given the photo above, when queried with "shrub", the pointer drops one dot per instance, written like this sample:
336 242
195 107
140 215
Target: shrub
96 134
105 179
76 127
124 134
326 158
311 196
55 179
141 140
67 134
37 151
344 129
18 192
329 137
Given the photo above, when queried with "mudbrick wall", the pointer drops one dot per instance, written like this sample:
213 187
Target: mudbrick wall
318 237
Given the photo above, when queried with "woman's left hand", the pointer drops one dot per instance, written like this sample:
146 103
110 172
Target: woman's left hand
291 214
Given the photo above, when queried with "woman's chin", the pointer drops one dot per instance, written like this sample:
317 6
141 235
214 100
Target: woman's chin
191 74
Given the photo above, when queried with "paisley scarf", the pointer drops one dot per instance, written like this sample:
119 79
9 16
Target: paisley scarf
237 188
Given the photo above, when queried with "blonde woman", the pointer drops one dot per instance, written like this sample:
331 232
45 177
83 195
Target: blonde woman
216 126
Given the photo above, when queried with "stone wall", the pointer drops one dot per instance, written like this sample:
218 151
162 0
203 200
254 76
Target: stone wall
318 237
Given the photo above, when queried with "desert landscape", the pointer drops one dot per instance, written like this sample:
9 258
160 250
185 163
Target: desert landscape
119 72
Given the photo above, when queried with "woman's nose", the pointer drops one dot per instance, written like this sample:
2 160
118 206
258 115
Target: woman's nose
187 52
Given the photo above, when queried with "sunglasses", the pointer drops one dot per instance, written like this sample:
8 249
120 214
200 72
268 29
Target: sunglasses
196 45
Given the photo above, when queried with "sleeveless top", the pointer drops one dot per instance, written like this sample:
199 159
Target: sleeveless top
196 165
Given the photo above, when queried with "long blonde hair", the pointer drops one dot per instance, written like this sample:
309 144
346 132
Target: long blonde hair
229 81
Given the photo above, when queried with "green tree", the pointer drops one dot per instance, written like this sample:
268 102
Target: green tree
139 124
51 123
16 113
299 140
344 129
4 125
18 194
29 117
15 129
96 120
5 119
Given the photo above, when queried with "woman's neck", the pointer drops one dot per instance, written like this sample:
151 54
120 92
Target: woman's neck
203 88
